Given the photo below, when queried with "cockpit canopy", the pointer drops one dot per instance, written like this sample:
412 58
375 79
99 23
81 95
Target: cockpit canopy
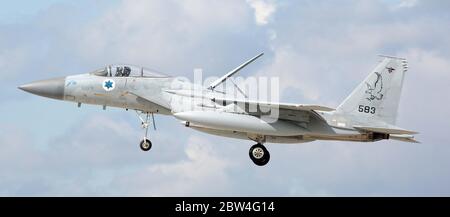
127 71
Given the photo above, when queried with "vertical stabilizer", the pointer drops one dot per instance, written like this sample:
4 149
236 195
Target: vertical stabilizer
378 95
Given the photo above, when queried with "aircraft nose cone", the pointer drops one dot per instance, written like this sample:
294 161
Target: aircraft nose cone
51 88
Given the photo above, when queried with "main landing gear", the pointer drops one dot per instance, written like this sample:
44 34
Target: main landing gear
259 154
146 144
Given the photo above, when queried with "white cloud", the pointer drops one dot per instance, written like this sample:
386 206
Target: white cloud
204 172
427 82
13 60
263 10
160 32
429 62
407 4
96 156
294 71
319 51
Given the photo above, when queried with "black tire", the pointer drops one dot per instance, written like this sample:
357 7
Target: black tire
145 147
259 150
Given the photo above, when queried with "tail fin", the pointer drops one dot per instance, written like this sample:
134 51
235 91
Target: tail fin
378 95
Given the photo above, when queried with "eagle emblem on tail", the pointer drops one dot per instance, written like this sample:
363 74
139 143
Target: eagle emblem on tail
374 90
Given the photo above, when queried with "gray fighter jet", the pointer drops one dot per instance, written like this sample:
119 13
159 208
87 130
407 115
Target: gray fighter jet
368 114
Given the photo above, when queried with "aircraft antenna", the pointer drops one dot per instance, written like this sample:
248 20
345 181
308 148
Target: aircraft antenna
232 72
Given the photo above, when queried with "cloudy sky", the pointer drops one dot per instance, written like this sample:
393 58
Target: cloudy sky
320 50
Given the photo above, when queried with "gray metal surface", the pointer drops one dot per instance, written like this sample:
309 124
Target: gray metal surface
51 88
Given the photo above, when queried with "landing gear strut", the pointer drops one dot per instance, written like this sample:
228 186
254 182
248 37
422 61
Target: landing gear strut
146 144
259 154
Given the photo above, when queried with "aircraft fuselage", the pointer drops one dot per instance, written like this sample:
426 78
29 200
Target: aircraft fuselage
361 117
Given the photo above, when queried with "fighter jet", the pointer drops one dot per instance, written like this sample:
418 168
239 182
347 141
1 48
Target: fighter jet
368 114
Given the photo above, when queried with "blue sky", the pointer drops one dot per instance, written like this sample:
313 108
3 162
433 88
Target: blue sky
16 11
319 49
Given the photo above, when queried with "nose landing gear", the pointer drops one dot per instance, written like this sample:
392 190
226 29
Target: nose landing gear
259 154
146 144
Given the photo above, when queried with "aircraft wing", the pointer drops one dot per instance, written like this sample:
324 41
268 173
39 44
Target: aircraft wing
288 106
301 113
287 111
159 108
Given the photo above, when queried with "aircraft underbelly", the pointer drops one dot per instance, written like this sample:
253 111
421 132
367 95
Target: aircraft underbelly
243 135
240 123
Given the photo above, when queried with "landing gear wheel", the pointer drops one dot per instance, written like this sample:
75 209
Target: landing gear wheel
146 145
259 154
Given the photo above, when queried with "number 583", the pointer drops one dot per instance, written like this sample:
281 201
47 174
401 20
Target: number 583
366 109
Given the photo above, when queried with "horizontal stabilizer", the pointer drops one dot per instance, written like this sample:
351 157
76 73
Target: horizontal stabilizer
393 130
403 138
